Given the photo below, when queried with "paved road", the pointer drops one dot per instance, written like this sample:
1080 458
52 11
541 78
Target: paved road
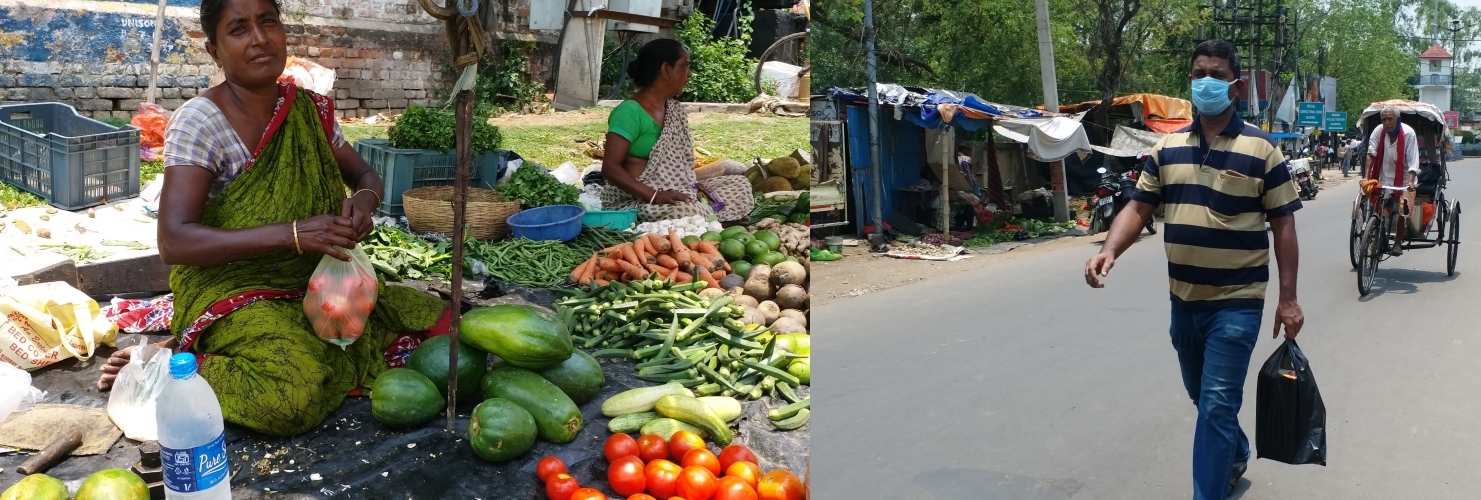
1017 381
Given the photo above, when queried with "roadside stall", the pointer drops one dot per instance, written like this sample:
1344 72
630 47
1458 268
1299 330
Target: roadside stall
922 184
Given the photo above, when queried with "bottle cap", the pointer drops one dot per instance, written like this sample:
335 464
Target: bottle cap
182 365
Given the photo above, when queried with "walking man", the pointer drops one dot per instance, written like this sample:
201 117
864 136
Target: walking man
1221 181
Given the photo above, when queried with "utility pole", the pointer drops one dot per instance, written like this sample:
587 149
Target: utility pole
874 150
1060 198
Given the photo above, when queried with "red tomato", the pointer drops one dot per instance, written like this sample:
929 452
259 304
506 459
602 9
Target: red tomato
702 458
626 476
641 496
745 471
663 477
318 282
737 453
731 488
561 486
683 441
780 485
652 448
335 306
549 466
696 483
351 328
588 494
620 445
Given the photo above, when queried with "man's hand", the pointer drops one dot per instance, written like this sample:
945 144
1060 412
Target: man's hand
1288 314
1098 267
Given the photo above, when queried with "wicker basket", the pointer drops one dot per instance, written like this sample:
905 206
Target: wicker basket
430 209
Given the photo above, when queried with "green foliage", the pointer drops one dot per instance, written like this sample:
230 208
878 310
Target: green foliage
1467 137
535 187
424 128
114 121
722 72
506 86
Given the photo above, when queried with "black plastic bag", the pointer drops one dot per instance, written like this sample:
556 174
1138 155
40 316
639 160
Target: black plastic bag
1290 419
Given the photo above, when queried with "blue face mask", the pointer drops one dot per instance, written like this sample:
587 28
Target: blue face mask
1210 95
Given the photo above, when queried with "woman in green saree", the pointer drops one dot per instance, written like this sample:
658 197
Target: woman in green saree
245 228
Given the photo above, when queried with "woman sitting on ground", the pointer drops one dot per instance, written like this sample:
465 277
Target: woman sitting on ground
649 155
256 176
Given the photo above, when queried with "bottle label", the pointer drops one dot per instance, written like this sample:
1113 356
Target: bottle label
194 469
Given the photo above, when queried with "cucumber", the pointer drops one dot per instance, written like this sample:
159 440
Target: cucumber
639 400
579 376
693 411
556 416
792 423
728 409
666 427
630 423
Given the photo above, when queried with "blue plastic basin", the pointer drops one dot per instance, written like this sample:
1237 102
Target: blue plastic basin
554 222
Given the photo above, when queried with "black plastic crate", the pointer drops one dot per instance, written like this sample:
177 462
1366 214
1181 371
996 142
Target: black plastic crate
71 161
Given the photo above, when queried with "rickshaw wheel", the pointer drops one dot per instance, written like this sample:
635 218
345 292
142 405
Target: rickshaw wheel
1454 250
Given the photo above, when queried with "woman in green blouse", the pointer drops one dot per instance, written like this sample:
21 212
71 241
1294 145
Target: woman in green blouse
649 160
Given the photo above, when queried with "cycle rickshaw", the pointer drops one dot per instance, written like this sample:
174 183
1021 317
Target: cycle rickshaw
1434 219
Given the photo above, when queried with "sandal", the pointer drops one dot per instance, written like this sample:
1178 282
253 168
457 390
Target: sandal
1234 475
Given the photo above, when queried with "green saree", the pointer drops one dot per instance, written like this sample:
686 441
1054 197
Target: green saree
245 319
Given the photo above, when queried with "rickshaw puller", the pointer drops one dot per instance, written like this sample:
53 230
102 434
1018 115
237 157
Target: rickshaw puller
1393 146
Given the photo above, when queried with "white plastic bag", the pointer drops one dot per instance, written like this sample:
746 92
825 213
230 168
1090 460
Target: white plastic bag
340 297
131 405
16 393
567 173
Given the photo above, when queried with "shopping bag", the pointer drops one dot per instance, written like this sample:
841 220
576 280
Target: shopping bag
1290 419
131 405
340 297
44 323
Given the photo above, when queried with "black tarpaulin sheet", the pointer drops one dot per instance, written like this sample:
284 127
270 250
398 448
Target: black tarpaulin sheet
357 457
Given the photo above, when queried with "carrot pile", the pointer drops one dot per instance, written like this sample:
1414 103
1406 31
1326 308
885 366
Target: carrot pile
654 254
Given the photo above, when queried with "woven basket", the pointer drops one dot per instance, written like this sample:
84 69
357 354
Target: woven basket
430 209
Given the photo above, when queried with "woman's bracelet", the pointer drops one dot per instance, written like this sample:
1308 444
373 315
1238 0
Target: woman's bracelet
654 197
295 238
372 193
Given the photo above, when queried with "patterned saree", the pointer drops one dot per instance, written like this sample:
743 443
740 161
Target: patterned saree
245 319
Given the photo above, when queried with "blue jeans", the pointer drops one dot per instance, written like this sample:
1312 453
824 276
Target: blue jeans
1214 349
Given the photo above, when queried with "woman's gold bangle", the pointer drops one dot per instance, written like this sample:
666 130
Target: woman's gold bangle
372 193
295 238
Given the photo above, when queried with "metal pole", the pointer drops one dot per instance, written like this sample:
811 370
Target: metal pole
159 26
874 150
1060 198
948 155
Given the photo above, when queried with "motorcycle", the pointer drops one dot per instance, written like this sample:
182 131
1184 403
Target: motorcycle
1301 174
1103 205
1113 194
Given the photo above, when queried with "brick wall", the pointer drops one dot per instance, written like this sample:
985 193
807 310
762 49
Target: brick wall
95 55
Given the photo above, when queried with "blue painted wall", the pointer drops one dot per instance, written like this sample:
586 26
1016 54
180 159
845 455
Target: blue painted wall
73 36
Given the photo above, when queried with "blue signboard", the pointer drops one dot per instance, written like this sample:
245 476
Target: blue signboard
1309 114
1336 121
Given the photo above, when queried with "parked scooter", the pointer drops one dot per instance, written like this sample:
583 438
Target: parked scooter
1128 186
1301 174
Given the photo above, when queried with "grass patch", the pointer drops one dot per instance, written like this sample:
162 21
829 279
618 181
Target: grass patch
738 137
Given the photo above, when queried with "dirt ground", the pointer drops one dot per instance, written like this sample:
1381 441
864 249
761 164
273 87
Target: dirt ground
860 272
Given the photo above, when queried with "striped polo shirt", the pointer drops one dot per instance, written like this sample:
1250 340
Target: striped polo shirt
1218 200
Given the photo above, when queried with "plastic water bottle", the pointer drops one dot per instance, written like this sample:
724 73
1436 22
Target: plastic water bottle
192 439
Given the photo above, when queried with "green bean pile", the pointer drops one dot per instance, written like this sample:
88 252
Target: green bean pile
544 264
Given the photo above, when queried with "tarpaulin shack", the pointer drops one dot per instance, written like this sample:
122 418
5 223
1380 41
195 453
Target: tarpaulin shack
1157 113
908 115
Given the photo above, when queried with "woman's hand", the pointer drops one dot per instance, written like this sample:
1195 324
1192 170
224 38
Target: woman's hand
322 233
666 197
358 210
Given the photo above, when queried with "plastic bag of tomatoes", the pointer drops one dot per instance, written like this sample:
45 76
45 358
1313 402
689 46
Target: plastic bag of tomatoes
340 297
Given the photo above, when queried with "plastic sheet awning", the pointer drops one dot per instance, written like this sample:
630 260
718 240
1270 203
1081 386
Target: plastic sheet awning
1050 138
1128 142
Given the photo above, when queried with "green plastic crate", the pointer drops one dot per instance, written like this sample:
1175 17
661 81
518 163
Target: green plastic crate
71 161
405 169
